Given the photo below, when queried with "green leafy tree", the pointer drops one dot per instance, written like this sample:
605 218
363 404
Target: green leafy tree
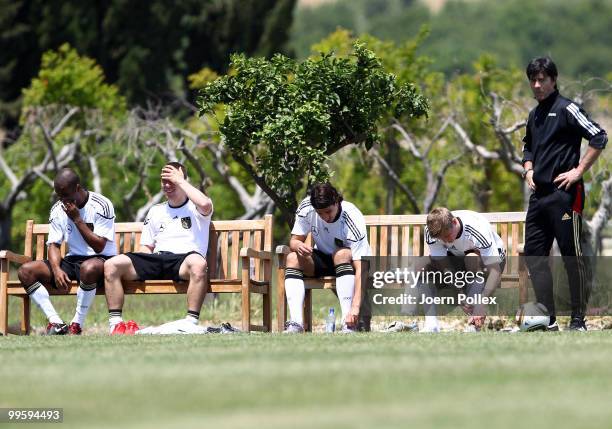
284 118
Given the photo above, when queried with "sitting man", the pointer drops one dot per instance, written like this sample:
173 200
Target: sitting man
464 240
85 220
173 246
339 233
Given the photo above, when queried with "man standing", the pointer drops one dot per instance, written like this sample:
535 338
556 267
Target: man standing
85 220
173 246
339 233
465 240
553 171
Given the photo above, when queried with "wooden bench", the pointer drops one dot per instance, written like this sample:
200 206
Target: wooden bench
239 261
403 235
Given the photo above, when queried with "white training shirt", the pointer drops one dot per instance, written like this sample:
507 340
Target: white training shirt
476 234
99 215
178 230
348 231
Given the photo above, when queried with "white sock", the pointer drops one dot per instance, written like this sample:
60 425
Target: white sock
295 291
345 288
192 319
39 294
85 296
114 317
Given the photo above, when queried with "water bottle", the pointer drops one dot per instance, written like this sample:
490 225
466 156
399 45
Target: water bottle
330 323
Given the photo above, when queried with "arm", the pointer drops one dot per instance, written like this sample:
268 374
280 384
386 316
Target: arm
145 248
94 241
61 278
567 179
528 157
297 244
201 201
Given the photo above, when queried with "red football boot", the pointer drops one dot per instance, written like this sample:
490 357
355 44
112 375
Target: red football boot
119 329
74 329
131 327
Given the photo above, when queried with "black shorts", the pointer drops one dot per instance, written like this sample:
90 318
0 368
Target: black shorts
323 264
71 265
158 266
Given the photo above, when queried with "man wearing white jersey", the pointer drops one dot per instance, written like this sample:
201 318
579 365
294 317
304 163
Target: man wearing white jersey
85 220
467 237
173 246
339 234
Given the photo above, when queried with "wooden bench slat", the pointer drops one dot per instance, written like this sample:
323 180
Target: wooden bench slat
224 237
235 252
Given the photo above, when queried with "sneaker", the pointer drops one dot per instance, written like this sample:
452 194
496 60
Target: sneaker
293 328
57 329
213 330
131 327
347 330
74 329
399 326
577 324
226 328
553 327
119 329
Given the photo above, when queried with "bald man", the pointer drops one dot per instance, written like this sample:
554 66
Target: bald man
85 220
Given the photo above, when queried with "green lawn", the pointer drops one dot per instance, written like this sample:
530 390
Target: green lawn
313 381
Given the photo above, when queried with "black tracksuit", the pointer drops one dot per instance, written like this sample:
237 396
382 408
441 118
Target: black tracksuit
555 129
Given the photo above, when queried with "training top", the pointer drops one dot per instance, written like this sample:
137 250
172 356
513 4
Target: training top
349 230
555 129
476 234
181 229
99 215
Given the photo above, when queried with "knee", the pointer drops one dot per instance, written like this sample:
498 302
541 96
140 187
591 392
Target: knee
111 269
91 272
292 260
25 274
343 256
198 269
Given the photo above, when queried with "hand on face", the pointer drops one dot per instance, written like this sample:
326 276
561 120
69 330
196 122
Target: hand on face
172 174
71 209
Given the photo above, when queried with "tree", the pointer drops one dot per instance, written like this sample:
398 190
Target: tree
284 118
147 48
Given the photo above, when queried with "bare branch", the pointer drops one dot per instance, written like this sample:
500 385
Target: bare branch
62 123
411 197
142 211
602 214
407 142
93 166
467 142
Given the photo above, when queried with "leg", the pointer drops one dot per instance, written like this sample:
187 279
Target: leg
294 284
538 241
34 276
194 269
117 269
345 280
91 272
568 232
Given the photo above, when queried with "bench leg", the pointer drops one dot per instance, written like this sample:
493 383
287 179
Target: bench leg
267 311
25 316
308 310
246 297
281 300
3 297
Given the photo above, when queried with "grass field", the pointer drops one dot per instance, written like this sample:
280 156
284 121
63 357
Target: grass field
404 380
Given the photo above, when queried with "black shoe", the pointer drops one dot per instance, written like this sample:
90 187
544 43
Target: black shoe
363 324
577 324
57 329
226 328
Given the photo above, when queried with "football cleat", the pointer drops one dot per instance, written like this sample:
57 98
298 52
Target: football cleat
131 327
554 327
226 328
74 329
347 330
57 329
293 328
119 329
399 326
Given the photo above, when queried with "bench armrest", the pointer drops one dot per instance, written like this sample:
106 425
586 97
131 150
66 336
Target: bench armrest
14 257
283 250
247 252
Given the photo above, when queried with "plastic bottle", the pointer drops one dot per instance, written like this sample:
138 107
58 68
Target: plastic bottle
330 322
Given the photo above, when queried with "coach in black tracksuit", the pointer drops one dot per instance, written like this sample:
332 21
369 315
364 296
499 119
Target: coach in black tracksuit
553 171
